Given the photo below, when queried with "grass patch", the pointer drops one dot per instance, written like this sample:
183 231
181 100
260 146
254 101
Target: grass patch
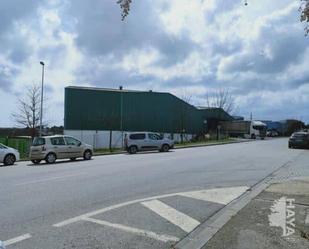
107 151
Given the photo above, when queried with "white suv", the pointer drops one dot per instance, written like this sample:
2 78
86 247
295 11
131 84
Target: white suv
51 148
142 141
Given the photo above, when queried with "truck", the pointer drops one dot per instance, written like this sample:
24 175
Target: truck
244 128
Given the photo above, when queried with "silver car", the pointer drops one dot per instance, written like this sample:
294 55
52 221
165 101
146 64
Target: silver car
8 156
51 148
143 141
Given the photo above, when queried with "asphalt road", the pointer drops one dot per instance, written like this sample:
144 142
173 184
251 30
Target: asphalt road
75 204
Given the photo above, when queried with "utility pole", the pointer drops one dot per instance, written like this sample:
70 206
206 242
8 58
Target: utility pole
42 90
121 114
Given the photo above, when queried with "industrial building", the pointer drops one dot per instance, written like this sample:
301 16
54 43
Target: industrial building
101 116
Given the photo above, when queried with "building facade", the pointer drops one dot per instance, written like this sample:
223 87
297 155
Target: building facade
100 116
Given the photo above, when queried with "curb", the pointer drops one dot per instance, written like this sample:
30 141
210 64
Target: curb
199 237
202 234
213 144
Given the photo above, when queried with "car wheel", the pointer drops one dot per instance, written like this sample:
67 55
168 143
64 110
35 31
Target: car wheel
73 159
253 136
165 148
132 149
87 155
51 158
9 160
36 161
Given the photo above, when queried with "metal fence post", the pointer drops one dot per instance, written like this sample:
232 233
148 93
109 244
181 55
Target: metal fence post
110 140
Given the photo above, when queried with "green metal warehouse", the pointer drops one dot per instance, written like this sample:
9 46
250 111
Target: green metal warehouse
92 113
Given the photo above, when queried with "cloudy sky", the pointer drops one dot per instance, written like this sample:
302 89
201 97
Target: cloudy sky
187 47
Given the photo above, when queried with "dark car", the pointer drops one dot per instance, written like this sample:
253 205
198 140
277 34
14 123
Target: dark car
299 140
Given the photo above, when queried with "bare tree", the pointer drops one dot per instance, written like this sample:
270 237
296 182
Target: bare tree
222 99
304 9
28 114
304 17
125 7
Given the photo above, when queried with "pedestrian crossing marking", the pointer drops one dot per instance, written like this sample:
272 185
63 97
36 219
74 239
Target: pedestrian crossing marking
177 218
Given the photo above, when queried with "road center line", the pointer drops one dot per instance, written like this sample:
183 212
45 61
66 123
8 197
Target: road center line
161 237
177 218
17 239
307 218
48 179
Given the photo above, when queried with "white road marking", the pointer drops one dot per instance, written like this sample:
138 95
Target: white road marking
217 195
17 239
307 218
161 237
103 210
48 179
106 209
177 218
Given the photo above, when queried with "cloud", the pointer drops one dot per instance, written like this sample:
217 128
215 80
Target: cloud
15 10
277 46
258 51
7 73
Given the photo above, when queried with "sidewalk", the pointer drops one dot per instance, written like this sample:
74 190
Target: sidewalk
250 228
262 223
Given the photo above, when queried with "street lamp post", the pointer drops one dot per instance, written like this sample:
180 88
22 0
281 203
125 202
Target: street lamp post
42 89
121 114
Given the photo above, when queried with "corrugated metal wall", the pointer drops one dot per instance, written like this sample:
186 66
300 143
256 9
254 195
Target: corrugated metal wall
102 109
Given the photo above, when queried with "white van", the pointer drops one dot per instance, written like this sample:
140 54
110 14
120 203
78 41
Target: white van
145 141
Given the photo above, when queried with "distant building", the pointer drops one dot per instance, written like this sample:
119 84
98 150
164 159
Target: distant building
95 115
275 125
284 127
238 118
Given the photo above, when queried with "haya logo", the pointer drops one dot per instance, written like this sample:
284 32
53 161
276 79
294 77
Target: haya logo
283 215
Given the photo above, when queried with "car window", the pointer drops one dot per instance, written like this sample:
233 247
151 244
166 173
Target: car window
137 136
154 136
72 141
38 141
299 135
2 146
57 141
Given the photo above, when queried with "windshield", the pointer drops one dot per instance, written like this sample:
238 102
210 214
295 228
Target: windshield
259 127
299 135
2 146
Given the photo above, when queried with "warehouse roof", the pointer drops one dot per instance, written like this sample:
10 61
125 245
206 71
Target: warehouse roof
110 89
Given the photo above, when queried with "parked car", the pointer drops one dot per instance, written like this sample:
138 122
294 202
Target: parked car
299 140
51 148
144 141
8 156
